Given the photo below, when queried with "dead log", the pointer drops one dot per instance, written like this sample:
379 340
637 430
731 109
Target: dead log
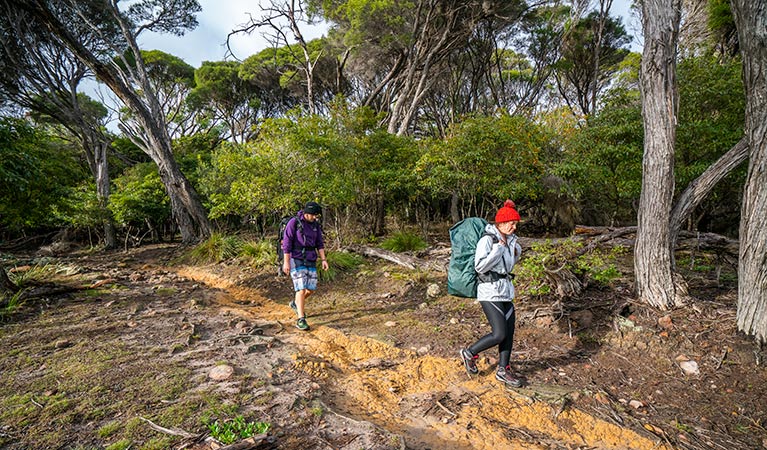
688 240
411 262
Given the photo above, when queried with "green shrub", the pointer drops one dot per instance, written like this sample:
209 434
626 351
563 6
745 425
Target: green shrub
218 247
596 265
338 262
230 431
404 242
258 254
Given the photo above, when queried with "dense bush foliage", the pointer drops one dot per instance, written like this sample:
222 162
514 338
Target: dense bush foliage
37 173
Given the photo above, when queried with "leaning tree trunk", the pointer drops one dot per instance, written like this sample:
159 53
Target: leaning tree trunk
701 186
751 21
653 255
188 211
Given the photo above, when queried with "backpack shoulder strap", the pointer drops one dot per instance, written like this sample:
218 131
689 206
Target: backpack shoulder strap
493 237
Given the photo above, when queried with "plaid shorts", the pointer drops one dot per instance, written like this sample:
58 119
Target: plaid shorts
304 277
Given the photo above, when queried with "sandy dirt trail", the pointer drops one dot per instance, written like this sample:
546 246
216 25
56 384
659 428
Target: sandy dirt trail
430 401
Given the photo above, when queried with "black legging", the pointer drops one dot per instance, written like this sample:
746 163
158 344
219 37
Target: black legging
501 316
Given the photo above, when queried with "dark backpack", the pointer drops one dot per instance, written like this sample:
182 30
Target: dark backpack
461 277
280 235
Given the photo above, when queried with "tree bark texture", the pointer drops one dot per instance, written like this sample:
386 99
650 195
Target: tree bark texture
653 256
751 21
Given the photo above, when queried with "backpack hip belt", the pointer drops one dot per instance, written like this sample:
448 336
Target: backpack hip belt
491 277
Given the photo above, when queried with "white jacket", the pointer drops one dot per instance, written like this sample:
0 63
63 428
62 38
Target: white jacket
499 258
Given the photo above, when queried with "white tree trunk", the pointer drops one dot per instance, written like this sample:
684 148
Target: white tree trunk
653 255
751 21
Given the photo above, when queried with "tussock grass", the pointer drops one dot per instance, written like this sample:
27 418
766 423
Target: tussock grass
404 242
259 254
338 263
218 247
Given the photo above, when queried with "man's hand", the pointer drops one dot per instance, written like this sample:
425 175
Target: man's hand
324 264
286 267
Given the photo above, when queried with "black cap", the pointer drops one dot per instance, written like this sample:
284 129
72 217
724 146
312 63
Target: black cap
313 208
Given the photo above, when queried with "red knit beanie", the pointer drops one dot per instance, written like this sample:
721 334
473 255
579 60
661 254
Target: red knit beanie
507 213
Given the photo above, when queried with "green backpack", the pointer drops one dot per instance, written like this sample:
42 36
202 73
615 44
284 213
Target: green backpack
461 276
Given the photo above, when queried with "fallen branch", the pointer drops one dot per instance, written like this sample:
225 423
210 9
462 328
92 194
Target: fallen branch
411 262
445 409
171 431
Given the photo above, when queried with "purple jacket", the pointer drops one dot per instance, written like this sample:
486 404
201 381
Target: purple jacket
310 237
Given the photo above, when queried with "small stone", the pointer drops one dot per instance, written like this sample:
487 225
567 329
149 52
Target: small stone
390 324
221 372
423 305
453 321
636 404
690 367
665 322
433 290
423 350
62 344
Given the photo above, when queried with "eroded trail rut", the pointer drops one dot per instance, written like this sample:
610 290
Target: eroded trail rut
429 401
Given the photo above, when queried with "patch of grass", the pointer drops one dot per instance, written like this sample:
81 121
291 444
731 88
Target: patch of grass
404 242
109 429
122 444
682 427
218 247
11 303
166 292
338 263
232 430
160 443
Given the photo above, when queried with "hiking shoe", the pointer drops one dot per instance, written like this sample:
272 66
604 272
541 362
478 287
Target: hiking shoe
469 361
301 324
507 377
293 305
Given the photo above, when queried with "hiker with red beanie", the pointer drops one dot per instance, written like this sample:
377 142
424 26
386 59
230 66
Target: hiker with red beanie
497 253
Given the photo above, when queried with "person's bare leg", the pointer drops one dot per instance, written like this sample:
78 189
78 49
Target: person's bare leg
301 297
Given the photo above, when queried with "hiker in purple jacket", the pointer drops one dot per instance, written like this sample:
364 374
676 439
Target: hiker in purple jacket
302 245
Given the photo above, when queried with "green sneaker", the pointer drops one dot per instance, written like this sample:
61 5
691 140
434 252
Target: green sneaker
301 324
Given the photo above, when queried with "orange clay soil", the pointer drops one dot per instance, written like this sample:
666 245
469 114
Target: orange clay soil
394 388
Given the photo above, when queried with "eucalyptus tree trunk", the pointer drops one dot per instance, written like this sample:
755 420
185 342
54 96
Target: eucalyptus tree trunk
102 193
751 21
653 254
701 186
132 86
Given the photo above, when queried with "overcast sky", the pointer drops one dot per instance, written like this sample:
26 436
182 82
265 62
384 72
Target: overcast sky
219 17
207 42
